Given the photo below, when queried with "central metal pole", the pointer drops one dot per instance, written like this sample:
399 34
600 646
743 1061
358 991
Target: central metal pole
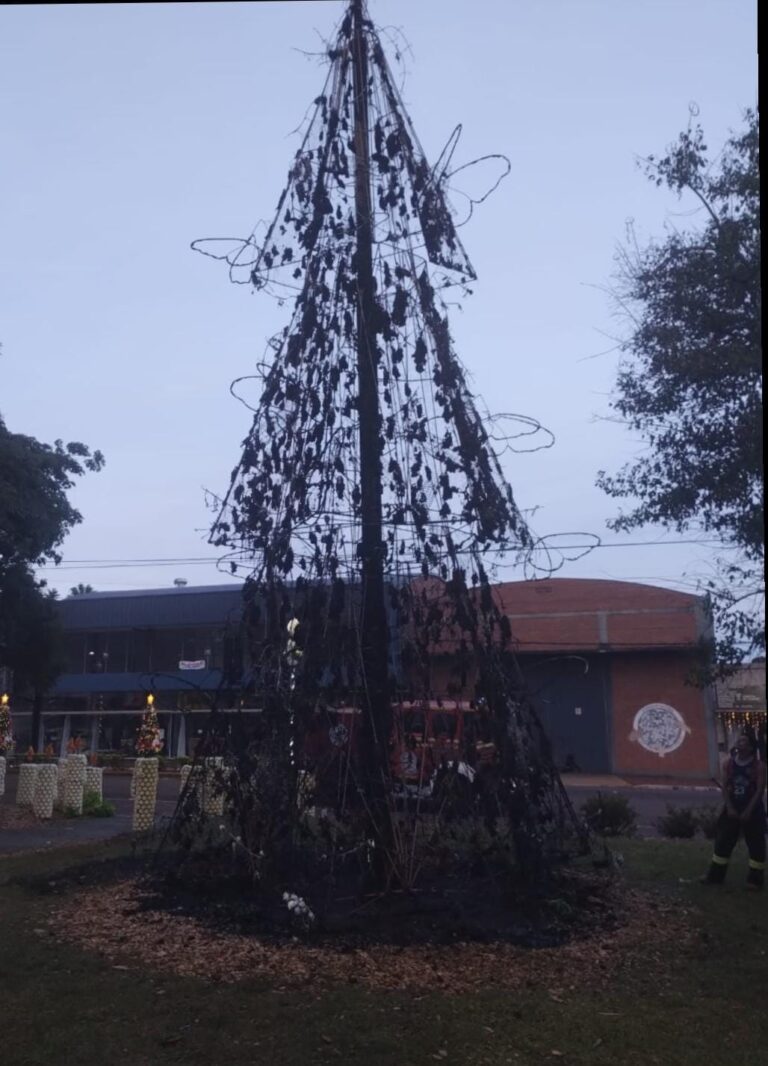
374 635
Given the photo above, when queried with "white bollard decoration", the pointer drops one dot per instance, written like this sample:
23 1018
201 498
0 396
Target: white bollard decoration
74 783
193 779
145 775
94 780
184 777
45 787
59 793
213 797
25 789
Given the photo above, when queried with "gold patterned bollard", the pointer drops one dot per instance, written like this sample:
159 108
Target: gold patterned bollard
192 786
25 790
2 775
184 777
213 797
94 780
145 775
71 796
58 796
45 788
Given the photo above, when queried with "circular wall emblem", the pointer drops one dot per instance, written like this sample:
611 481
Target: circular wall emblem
338 735
659 728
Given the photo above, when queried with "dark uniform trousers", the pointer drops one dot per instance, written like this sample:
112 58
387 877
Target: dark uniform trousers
727 833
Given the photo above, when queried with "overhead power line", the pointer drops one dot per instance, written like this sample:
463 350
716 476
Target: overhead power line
72 564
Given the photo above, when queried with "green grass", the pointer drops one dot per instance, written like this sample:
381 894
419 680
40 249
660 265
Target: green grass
700 1005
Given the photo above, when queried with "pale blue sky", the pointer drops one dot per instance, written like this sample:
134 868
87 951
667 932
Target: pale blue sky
128 130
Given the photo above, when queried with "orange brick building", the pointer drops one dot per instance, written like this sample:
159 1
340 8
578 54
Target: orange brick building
608 664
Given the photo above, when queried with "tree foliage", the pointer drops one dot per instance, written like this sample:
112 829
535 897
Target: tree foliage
35 517
35 513
690 380
30 631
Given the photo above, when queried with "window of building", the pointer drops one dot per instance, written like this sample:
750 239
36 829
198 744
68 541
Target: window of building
118 643
139 653
74 649
96 653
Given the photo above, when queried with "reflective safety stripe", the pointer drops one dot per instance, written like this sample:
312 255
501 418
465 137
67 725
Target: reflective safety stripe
719 861
754 865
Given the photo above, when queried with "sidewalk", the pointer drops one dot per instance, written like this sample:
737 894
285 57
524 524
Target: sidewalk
612 781
64 832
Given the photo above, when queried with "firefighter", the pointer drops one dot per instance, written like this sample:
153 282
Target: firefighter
743 790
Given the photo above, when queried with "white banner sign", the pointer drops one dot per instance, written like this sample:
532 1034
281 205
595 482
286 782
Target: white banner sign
192 664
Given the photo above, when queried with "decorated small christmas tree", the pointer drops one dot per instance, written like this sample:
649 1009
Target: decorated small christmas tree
6 725
149 741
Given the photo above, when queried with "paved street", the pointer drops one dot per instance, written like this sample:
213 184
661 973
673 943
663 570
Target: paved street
649 802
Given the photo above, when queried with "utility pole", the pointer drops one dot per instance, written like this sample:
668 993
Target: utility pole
374 638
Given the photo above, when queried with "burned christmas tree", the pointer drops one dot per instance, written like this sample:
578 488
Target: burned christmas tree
367 506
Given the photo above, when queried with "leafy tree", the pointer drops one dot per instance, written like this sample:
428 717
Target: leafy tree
35 513
30 638
690 380
81 590
35 517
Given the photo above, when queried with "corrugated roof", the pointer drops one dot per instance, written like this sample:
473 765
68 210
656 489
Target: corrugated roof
182 680
199 605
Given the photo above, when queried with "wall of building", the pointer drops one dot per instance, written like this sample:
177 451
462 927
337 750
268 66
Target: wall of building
661 725
572 696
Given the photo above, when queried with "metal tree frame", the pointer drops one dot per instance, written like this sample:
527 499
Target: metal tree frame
369 502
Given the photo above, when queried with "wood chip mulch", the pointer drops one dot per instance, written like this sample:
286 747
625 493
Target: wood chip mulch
107 920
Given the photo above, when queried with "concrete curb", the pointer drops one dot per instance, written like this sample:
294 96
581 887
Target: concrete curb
614 783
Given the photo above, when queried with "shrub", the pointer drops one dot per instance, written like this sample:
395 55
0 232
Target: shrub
95 807
39 759
707 817
678 822
610 815
112 760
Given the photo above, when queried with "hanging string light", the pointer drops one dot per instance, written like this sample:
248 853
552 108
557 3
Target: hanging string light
739 719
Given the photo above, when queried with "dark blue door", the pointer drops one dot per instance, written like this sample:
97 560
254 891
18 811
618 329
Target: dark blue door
571 695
